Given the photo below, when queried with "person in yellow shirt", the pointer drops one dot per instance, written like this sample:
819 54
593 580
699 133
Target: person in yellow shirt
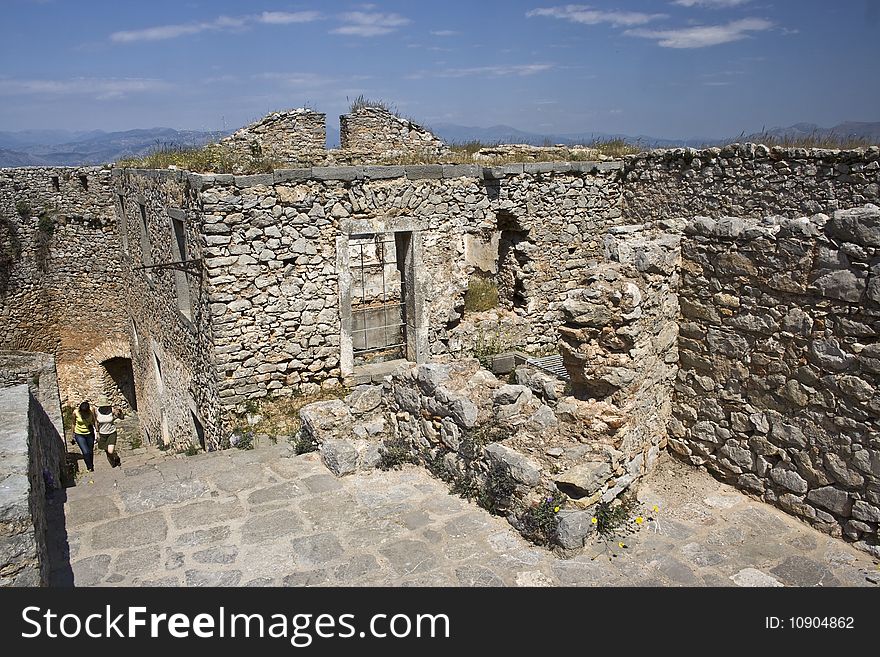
84 433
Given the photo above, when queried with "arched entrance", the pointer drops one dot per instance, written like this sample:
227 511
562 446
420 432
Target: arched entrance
118 383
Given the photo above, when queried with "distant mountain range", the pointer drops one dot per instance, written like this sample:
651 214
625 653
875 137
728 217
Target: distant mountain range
66 148
60 148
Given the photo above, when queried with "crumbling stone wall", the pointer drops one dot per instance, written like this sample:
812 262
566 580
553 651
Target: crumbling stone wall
61 286
166 308
748 180
779 363
508 446
376 133
618 343
32 452
293 136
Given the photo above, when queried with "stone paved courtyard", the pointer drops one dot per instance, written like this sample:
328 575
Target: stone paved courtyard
265 517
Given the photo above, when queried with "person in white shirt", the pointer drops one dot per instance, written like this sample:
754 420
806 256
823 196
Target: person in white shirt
106 424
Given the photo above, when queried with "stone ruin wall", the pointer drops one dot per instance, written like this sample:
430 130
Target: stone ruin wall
32 455
748 180
559 213
373 132
777 388
298 135
171 341
60 277
271 257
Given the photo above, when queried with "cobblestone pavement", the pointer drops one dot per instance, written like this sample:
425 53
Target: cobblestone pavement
266 517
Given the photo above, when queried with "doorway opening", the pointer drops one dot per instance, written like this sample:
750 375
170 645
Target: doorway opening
378 293
118 382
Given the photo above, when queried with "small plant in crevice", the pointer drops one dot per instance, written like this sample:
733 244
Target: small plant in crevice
617 519
436 465
43 239
304 444
540 522
10 250
189 450
135 441
23 208
611 517
242 440
489 343
395 453
464 485
496 494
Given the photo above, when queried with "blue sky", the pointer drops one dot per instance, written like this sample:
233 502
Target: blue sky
665 68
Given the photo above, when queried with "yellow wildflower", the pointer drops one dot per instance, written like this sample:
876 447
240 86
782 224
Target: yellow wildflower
594 520
555 509
621 544
655 508
639 520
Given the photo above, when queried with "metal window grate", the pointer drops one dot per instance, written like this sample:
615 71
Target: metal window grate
550 364
378 311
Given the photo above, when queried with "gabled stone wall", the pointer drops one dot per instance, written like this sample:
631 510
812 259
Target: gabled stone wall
294 136
374 132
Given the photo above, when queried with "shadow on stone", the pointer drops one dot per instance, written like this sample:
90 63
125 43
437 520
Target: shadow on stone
60 572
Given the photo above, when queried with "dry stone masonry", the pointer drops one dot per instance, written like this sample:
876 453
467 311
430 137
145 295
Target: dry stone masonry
779 363
60 271
31 464
750 338
376 133
748 180
294 136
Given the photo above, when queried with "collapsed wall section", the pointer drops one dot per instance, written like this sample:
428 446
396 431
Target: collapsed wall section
61 286
748 180
167 307
779 363
618 343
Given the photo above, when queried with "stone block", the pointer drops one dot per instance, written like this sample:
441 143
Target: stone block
573 528
521 468
340 456
266 179
337 173
384 172
424 171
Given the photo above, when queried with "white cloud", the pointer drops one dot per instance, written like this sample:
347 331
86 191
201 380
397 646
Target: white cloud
287 17
296 79
586 15
219 24
445 33
519 70
369 24
702 36
100 88
711 4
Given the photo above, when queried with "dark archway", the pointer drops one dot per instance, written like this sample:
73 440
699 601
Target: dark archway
119 382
